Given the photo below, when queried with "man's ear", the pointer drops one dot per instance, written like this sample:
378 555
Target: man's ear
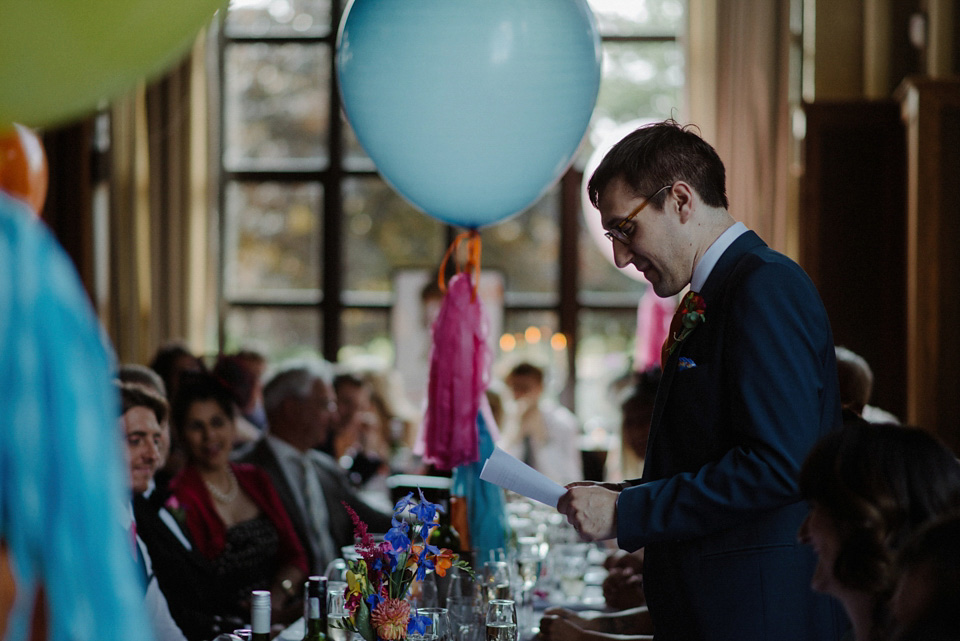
683 201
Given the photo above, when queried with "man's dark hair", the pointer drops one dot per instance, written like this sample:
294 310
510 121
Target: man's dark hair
197 387
347 379
135 395
660 154
527 369
143 376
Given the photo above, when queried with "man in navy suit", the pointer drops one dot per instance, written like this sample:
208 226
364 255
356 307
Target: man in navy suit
748 386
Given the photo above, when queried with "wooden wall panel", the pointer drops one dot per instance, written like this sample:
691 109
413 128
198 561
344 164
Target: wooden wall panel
931 112
852 224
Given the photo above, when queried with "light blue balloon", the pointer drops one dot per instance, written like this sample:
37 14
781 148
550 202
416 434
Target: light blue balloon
470 109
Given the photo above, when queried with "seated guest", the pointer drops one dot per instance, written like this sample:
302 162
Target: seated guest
545 435
171 361
301 410
241 382
141 415
145 377
869 487
359 445
856 387
636 413
233 514
256 363
179 568
926 600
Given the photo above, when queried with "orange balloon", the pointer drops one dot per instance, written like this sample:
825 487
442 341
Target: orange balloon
23 166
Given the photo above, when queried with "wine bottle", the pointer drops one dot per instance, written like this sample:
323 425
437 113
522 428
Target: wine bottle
315 604
260 615
445 535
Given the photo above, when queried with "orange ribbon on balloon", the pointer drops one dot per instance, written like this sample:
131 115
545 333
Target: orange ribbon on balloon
23 166
472 264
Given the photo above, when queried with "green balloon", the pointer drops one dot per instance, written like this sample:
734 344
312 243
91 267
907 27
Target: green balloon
61 59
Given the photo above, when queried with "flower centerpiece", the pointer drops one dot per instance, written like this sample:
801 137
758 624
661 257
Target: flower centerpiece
379 581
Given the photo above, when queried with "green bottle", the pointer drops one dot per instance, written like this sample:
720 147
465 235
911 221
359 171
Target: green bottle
260 615
315 609
445 535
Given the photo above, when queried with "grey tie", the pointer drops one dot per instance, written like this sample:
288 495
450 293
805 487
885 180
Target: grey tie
318 519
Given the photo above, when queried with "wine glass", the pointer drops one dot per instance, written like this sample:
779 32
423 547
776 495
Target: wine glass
502 620
496 580
529 559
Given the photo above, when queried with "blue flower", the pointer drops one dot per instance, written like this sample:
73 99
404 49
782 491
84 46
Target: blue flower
418 624
397 537
426 511
403 503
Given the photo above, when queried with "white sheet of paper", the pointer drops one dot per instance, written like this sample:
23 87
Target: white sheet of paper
512 474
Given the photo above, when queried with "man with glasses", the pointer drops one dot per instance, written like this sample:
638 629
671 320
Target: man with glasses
301 409
749 384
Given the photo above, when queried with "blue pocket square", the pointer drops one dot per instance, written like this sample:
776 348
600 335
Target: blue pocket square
685 363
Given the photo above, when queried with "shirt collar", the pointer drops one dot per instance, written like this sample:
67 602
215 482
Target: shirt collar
710 257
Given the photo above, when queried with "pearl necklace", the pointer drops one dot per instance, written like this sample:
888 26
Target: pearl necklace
230 494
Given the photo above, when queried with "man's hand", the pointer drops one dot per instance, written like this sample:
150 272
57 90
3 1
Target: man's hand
591 510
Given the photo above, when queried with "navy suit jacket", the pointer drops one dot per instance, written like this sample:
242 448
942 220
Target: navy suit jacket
718 507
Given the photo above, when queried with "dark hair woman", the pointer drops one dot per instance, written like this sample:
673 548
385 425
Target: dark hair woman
869 487
232 511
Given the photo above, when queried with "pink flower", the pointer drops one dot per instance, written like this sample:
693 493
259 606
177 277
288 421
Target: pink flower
390 619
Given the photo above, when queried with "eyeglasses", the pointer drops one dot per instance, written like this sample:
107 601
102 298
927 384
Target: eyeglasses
617 233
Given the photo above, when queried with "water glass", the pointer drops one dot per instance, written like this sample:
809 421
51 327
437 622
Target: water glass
501 623
437 626
336 612
570 564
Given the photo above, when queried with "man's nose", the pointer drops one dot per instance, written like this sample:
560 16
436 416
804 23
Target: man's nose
621 254
153 451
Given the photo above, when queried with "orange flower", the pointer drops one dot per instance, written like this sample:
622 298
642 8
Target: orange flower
442 561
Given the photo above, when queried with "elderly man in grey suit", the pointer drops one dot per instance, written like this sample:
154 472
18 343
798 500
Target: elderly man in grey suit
301 410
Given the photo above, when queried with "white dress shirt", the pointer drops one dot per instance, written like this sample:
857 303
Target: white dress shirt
164 626
710 257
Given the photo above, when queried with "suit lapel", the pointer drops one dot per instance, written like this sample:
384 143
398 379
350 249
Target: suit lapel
712 291
264 456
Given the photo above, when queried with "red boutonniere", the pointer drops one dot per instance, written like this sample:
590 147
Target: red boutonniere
693 311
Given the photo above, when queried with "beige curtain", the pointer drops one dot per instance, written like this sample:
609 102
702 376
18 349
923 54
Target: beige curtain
739 68
159 261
